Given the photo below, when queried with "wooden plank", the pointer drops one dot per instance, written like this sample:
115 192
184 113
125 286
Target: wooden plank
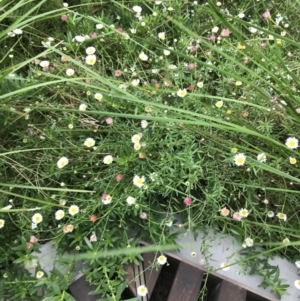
80 289
151 275
226 290
187 283
129 277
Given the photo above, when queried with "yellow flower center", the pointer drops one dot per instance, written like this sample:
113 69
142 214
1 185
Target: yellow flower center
91 61
292 143
240 160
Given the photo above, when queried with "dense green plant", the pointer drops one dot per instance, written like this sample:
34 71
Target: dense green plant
176 93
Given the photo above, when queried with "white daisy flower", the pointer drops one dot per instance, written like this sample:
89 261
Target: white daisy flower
33 226
162 36
107 159
107 200
219 104
2 222
291 142
144 124
281 215
44 64
90 59
139 181
98 96
82 107
297 284
130 200
79 39
62 162
59 214
17 31
74 209
39 274
181 92
161 259
135 138
137 146
224 266
90 50
142 290
252 29
249 242
37 218
89 142
215 29
172 67
261 157
239 159
244 212
135 82
70 72
143 56
137 9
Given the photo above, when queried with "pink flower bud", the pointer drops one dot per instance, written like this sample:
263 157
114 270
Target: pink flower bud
266 15
191 88
143 215
109 120
33 239
64 18
93 35
93 238
119 177
29 245
93 218
225 33
187 201
237 216
191 66
118 73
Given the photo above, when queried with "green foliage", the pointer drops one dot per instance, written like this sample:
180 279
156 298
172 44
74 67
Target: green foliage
201 96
